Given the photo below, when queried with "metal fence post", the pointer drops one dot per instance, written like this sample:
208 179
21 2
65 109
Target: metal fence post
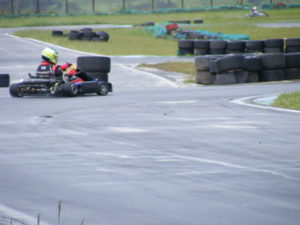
152 5
211 3
12 7
37 6
93 5
124 4
182 4
67 6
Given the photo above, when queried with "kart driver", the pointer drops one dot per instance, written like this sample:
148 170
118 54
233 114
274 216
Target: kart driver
49 68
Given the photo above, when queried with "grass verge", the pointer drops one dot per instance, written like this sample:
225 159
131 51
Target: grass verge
288 100
187 68
139 41
133 41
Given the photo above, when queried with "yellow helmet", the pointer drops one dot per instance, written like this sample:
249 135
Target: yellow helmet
50 54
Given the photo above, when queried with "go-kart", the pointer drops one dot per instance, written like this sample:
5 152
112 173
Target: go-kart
58 86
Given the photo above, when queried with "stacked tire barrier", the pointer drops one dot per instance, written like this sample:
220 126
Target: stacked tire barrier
242 68
221 47
85 34
95 67
4 80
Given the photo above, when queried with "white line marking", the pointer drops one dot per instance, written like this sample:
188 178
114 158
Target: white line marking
127 130
242 101
21 217
165 80
231 165
178 102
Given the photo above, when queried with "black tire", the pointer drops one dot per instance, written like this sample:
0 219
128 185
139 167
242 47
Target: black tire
201 51
226 78
201 44
14 90
4 80
103 89
103 36
274 43
272 61
204 77
198 21
94 64
183 21
86 29
292 60
230 63
70 90
292 49
217 44
254 46
241 76
292 74
292 42
202 63
57 33
186 44
272 75
252 64
219 51
253 77
145 24
88 34
236 46
212 66
273 50
74 35
97 75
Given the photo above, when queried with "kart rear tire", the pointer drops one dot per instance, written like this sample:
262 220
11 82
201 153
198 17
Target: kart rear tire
103 89
94 64
15 91
70 90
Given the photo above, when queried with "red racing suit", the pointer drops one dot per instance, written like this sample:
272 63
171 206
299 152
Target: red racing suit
47 70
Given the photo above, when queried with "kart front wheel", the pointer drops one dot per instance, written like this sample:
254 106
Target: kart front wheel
70 90
15 91
103 89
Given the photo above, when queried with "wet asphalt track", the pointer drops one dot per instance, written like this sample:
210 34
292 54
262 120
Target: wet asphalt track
150 153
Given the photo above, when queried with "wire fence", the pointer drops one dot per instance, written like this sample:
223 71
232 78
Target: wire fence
108 6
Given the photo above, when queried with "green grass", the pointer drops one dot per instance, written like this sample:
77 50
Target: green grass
288 100
133 41
138 41
187 68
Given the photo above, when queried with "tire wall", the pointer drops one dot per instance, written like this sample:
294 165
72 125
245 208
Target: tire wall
221 47
232 69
